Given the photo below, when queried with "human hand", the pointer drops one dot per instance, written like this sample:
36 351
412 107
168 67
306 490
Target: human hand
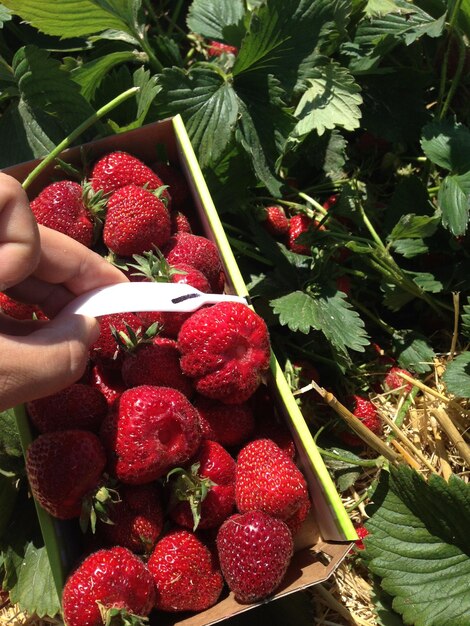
41 266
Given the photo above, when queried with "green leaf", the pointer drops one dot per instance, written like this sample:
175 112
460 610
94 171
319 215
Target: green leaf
148 89
332 99
447 144
35 590
410 248
218 19
465 326
208 105
282 35
419 545
395 297
345 474
457 376
5 15
453 199
414 227
330 314
382 602
426 281
89 75
167 51
77 18
11 454
375 8
413 351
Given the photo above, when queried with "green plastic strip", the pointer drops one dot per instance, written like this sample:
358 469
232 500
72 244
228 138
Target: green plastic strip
343 523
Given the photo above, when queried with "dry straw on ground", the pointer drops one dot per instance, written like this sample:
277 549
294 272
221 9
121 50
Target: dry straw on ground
427 430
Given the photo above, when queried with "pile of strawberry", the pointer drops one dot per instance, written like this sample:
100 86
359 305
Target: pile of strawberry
169 445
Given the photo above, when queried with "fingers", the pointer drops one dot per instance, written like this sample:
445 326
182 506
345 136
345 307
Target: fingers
45 361
19 236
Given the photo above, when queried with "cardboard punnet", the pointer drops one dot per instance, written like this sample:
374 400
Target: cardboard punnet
326 538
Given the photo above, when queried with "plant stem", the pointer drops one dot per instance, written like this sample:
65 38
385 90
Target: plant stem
370 228
246 251
174 17
456 78
65 143
400 418
386 327
153 14
445 63
154 63
359 462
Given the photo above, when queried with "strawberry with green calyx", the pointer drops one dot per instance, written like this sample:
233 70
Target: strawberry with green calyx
97 505
203 495
200 253
136 520
106 351
149 431
69 208
136 220
254 550
119 169
185 573
228 424
63 469
19 310
225 349
77 406
111 586
153 266
151 360
268 480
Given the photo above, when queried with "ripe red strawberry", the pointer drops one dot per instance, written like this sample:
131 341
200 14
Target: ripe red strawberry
156 363
225 348
179 223
203 496
60 206
108 583
77 406
276 222
330 201
106 350
136 221
19 310
108 381
216 49
199 252
365 411
361 533
137 519
185 573
149 431
177 185
268 480
255 550
63 468
299 224
228 424
119 169
392 381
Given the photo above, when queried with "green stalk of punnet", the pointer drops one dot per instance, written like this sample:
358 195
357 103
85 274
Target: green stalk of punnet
67 142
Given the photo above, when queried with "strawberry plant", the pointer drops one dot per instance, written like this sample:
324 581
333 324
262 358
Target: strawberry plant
335 139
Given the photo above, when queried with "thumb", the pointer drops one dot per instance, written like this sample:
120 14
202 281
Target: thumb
45 361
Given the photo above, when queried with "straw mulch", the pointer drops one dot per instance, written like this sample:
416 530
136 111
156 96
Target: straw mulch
430 432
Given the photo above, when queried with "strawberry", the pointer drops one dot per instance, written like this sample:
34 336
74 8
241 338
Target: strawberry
199 252
136 519
107 584
364 410
177 185
63 467
108 381
361 533
136 220
229 425
61 206
216 49
77 406
119 169
19 310
393 382
298 225
254 550
225 348
276 222
179 223
268 480
149 431
204 495
330 201
185 573
106 350
156 363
